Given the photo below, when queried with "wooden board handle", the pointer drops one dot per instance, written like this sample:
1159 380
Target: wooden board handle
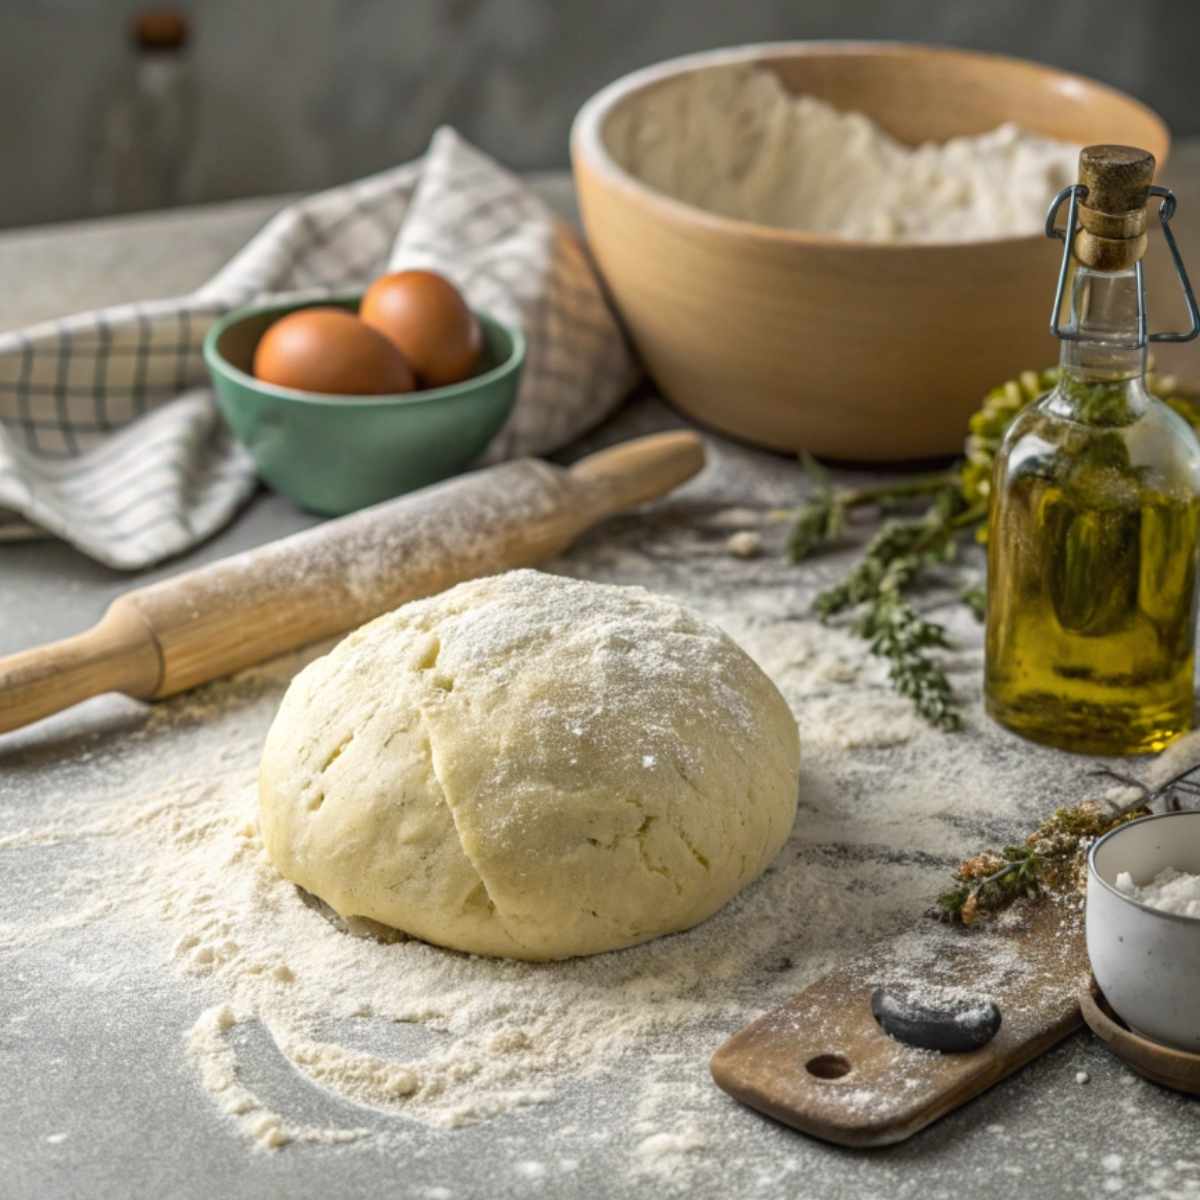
822 1064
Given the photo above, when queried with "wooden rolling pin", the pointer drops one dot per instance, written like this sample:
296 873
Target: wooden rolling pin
170 636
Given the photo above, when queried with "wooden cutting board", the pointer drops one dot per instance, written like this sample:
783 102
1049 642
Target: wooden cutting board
821 1063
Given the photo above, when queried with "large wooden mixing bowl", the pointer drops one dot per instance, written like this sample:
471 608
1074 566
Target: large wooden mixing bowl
852 350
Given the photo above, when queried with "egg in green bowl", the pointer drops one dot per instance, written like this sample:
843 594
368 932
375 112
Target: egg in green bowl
333 454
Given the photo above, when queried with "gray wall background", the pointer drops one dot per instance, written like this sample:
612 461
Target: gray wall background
291 95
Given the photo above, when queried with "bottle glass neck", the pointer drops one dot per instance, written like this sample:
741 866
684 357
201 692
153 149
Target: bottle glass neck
1103 372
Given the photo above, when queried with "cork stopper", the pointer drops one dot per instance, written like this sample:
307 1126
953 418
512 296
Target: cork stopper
1117 178
1112 217
159 30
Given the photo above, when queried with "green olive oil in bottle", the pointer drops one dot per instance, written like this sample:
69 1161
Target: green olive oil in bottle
1095 512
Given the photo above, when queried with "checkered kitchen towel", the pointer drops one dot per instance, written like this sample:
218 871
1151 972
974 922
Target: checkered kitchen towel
109 436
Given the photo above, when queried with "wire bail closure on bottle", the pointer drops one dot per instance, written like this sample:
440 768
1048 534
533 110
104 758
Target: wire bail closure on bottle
1166 210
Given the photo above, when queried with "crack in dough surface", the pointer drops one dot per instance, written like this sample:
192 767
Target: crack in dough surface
491 904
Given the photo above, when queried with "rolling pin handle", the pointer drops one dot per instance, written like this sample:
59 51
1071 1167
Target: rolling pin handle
641 470
118 654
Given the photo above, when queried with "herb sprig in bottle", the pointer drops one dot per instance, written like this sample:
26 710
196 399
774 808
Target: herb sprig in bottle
1095 511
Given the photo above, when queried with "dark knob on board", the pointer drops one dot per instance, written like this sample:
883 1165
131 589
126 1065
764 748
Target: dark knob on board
935 1018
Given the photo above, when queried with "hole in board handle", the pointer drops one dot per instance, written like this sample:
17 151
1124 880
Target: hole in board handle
828 1066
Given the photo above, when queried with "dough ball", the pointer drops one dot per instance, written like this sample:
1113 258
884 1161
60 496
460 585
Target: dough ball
530 766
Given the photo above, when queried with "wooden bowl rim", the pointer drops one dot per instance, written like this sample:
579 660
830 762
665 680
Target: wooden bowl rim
588 148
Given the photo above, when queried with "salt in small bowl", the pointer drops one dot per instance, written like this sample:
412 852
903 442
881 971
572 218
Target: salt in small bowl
1146 961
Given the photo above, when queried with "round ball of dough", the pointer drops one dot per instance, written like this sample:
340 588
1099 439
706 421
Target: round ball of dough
530 766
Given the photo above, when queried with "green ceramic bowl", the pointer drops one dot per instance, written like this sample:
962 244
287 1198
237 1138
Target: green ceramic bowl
335 454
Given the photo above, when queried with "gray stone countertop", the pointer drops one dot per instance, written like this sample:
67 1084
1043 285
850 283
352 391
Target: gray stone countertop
142 1129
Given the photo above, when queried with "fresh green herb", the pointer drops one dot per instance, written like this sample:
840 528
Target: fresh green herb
895 557
820 519
987 427
900 635
894 560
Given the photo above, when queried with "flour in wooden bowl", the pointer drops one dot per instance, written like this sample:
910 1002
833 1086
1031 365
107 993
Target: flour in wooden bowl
731 140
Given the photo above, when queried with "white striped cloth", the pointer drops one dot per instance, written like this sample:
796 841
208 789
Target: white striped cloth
109 436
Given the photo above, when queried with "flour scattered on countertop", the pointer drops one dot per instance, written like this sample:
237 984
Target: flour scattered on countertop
746 543
498 1035
655 1151
302 1032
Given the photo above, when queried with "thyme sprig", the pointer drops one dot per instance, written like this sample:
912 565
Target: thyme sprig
899 553
896 556
899 634
821 520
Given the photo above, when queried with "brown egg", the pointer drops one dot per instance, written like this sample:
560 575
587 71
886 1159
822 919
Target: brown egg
330 350
425 315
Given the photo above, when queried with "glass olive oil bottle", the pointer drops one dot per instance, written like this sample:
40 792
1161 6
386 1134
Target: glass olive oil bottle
1095 515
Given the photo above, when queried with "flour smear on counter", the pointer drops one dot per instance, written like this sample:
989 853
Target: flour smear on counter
731 140
488 1036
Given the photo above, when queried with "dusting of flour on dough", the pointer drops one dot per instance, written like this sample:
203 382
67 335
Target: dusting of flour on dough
532 767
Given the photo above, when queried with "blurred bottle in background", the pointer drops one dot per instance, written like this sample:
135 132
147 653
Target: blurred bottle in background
145 122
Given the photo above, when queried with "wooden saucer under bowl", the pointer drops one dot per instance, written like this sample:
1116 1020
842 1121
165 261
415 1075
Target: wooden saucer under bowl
1176 1069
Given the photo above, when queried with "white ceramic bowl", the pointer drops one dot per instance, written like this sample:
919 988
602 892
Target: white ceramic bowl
1146 961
